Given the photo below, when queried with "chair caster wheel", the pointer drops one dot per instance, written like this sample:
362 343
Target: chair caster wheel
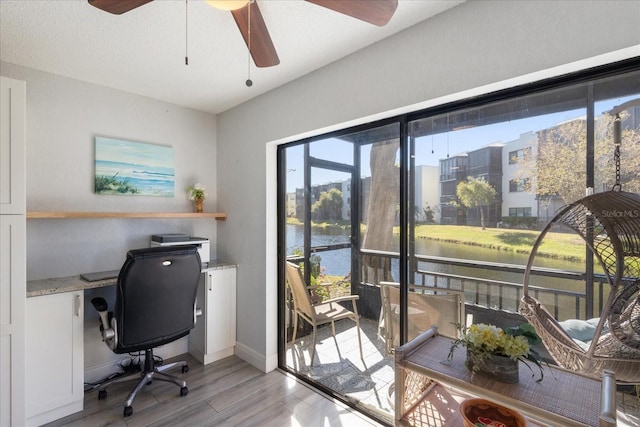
184 391
102 394
128 410
185 369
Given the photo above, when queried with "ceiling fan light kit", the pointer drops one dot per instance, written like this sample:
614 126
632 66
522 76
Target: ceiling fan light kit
227 4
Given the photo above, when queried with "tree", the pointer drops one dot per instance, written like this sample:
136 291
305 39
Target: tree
328 207
476 193
558 166
381 210
559 171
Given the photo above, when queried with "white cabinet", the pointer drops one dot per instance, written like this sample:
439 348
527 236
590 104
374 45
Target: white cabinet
214 336
12 319
55 339
12 146
12 252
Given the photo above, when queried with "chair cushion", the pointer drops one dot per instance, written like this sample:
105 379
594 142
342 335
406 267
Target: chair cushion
580 330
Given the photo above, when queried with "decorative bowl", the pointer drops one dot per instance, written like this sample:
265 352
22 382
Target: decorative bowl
478 412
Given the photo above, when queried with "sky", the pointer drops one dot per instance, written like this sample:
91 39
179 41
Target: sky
443 144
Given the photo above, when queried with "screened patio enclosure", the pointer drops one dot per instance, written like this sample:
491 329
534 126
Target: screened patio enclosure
381 204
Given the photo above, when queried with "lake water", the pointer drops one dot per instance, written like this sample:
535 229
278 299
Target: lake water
338 262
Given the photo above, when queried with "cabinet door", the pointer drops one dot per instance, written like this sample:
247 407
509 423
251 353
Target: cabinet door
12 319
197 336
221 311
55 358
12 146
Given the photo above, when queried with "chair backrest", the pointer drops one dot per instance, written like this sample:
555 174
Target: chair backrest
301 298
156 294
444 309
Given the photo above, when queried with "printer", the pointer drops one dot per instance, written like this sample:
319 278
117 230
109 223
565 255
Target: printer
182 239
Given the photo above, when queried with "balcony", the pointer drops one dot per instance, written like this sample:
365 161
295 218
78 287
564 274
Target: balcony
368 383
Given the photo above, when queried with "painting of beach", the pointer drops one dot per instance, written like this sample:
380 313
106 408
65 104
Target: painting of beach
133 168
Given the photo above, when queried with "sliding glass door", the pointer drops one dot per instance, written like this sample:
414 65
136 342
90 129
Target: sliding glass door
429 219
341 230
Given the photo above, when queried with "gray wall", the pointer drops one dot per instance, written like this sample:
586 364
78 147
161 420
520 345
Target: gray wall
472 49
63 117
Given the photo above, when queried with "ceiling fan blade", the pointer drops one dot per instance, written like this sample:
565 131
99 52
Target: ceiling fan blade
261 47
376 12
117 7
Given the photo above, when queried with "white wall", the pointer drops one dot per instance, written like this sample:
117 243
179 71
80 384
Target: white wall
428 190
472 49
63 117
520 199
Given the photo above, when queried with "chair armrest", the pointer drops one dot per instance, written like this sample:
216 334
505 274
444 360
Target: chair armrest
344 298
608 402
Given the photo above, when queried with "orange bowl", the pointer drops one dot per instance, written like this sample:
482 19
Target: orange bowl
486 413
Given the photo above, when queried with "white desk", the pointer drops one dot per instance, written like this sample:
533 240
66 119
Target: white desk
55 337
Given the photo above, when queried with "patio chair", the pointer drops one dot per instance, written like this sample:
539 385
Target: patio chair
427 307
319 313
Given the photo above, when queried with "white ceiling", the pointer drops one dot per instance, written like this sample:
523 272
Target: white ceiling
143 51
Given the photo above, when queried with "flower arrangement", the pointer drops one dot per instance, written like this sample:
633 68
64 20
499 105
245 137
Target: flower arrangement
197 192
482 341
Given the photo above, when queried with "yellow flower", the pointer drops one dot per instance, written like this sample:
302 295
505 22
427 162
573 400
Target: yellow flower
483 340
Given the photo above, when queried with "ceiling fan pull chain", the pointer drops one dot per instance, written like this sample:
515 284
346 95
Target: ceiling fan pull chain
249 83
186 32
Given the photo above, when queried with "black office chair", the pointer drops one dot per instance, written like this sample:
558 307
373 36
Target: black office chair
155 305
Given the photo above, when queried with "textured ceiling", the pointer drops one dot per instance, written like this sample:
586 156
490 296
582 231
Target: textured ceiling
143 51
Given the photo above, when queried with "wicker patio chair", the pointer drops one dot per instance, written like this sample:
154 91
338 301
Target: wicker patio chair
609 223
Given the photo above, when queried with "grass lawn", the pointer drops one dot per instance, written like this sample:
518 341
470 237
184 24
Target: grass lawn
567 246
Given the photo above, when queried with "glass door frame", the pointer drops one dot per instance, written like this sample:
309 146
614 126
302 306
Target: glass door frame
407 177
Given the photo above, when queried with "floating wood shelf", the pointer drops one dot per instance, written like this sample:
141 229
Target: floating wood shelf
62 215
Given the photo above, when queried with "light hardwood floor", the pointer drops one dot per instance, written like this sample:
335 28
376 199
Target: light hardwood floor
229 392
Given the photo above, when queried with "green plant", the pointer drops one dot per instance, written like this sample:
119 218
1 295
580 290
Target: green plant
485 340
197 192
522 222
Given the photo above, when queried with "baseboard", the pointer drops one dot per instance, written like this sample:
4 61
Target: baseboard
54 414
265 364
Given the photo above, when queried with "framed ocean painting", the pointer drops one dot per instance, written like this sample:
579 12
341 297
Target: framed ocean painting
133 168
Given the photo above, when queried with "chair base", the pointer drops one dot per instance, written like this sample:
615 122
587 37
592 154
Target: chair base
149 373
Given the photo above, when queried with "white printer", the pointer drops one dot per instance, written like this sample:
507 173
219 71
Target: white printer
182 239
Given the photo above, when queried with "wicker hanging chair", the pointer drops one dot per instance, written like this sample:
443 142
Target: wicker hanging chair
609 223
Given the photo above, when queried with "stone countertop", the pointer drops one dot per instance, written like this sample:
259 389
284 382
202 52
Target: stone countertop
75 283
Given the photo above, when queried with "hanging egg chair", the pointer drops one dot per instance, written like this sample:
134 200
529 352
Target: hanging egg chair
609 223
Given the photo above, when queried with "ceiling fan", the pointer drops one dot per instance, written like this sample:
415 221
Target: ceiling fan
253 28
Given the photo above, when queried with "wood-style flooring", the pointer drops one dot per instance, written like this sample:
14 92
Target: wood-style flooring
229 392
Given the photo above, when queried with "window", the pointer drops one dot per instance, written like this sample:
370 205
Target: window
520 155
519 185
519 211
